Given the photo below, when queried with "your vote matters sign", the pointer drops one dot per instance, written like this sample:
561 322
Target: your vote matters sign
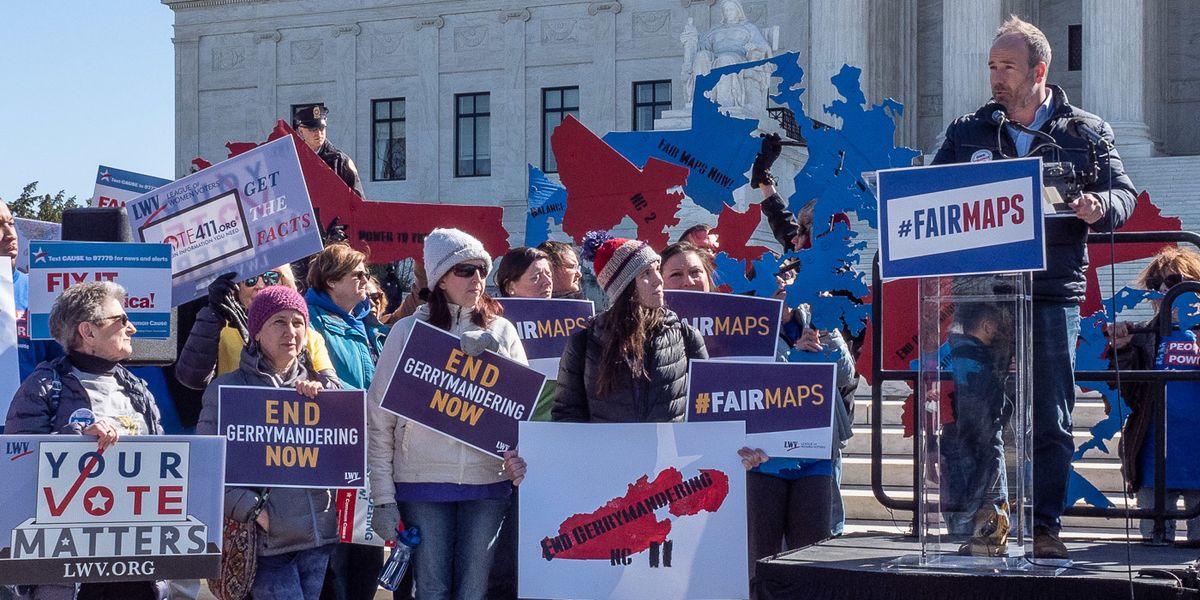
146 508
970 218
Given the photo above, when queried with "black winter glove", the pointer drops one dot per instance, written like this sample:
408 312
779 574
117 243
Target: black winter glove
336 232
772 147
221 290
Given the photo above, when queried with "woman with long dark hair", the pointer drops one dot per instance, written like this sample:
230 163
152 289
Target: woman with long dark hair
455 494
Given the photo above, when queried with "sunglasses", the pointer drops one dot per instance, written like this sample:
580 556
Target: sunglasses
1156 283
122 318
469 270
269 278
375 296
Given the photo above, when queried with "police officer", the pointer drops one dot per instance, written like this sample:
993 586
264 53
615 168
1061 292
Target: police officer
310 123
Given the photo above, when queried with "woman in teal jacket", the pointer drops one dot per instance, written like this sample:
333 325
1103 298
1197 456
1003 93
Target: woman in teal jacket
340 311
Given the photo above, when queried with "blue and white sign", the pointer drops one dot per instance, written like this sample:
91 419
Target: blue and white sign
962 219
115 187
144 270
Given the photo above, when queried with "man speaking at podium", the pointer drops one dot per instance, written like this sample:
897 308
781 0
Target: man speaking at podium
1037 120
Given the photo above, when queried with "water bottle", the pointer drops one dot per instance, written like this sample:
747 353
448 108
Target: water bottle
397 562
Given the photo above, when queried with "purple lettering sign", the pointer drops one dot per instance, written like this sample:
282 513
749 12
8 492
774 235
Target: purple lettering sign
477 400
278 438
787 407
732 325
545 326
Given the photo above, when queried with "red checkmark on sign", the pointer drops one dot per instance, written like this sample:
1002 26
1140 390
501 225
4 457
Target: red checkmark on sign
58 509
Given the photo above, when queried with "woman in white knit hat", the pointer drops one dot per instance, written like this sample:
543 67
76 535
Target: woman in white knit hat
455 494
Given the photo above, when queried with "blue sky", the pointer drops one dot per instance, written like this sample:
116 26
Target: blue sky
85 83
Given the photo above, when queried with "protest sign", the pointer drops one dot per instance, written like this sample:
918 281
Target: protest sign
146 508
477 400
787 407
545 326
115 187
354 510
278 438
32 229
970 218
144 270
733 326
248 214
10 366
661 514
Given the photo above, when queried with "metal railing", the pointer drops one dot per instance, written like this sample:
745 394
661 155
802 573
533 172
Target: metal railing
1158 512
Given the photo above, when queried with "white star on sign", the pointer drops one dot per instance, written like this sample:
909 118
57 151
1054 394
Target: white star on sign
98 500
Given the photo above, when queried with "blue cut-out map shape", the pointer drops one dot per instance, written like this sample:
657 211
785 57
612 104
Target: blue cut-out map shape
546 201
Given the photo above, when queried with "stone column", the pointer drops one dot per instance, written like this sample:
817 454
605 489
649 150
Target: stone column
345 44
187 103
509 147
967 32
838 37
426 163
267 43
1114 70
604 68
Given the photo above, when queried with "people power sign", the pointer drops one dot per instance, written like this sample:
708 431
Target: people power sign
145 508
970 218
787 407
478 400
278 438
115 187
144 270
545 326
659 514
732 325
248 214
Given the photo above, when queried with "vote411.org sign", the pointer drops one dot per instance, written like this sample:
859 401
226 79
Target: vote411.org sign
963 219
145 508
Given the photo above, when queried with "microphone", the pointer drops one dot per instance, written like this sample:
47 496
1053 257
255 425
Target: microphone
999 118
1082 128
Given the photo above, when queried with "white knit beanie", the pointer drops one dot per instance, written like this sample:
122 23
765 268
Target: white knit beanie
445 248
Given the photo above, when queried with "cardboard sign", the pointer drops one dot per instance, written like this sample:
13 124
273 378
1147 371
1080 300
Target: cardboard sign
32 229
144 270
962 219
115 187
787 407
659 514
477 400
354 509
10 365
278 438
545 327
732 325
248 214
146 508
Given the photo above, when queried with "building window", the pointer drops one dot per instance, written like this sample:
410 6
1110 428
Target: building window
297 107
650 99
387 140
1075 47
557 103
472 135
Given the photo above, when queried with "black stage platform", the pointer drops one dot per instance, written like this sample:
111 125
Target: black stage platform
854 567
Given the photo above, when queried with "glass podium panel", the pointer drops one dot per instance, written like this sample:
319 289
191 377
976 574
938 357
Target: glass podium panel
974 387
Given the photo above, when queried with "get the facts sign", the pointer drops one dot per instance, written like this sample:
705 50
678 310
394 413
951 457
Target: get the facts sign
144 270
962 219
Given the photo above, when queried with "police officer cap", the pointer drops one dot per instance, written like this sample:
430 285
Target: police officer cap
312 117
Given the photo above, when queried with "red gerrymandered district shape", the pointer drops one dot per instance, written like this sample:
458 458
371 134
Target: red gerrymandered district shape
629 523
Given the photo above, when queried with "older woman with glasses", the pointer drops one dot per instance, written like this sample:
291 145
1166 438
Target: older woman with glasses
88 392
214 345
455 494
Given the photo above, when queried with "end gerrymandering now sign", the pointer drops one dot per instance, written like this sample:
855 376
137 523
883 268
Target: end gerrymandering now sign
545 326
477 400
248 214
961 219
732 325
787 407
146 508
144 270
278 438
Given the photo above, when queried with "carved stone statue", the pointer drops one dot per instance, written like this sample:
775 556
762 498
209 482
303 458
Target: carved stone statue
734 41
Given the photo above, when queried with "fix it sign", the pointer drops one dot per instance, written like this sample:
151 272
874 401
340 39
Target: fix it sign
962 219
144 270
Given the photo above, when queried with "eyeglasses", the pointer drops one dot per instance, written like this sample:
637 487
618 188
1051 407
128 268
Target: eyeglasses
361 275
465 270
123 318
269 278
1156 282
375 296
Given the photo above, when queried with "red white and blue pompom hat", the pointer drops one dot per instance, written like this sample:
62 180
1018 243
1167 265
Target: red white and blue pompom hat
616 261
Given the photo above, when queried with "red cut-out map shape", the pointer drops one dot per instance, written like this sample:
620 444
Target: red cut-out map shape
629 524
734 230
603 187
1146 217
388 231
